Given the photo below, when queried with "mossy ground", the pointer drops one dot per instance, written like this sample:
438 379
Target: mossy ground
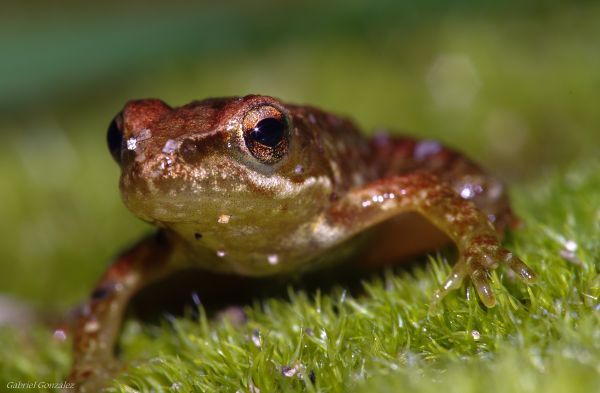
540 338
544 337
534 110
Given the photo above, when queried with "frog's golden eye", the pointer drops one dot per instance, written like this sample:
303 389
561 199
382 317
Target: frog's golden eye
266 133
114 138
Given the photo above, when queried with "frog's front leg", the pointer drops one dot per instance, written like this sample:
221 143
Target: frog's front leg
97 327
479 245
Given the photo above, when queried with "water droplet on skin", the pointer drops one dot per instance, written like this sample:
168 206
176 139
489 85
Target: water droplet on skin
221 253
59 335
224 219
273 259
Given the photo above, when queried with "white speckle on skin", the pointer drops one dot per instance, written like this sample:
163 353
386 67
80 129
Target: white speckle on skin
144 134
231 125
221 253
469 190
91 326
131 144
426 148
224 219
299 169
466 193
273 259
167 162
170 146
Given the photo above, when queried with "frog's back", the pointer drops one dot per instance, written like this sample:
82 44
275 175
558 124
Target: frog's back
347 151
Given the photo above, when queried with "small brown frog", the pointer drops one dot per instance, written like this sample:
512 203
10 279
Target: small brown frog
255 187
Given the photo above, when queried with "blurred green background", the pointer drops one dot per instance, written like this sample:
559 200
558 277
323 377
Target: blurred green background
515 85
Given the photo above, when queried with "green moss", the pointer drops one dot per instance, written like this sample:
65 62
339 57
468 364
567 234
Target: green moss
545 337
540 338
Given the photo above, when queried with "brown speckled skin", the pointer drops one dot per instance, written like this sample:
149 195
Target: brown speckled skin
220 208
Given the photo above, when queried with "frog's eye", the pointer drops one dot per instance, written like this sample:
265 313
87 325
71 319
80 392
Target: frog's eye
114 138
266 133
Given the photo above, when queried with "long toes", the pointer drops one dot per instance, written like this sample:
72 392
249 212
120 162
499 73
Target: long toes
455 278
517 266
453 281
481 281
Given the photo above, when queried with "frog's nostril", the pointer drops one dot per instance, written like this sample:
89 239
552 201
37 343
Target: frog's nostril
114 137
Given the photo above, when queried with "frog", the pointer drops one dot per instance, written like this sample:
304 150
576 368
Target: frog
253 186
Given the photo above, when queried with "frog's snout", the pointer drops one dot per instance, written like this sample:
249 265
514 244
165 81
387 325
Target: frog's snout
139 115
132 123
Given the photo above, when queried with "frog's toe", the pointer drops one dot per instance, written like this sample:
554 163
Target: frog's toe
481 280
453 281
519 267
485 257
477 261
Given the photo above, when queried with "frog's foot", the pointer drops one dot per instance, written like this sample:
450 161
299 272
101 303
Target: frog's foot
93 378
478 258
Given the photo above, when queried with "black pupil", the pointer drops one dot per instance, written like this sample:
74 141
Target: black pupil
268 132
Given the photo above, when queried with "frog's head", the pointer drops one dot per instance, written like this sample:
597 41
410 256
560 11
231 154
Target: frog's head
220 167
